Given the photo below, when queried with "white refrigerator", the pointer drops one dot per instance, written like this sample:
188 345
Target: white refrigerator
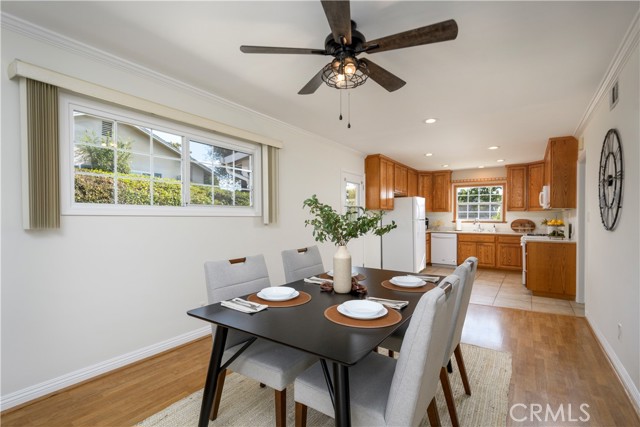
404 248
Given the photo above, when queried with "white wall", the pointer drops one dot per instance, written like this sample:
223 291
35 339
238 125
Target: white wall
612 272
101 287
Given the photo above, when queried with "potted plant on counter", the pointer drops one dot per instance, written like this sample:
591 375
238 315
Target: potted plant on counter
329 225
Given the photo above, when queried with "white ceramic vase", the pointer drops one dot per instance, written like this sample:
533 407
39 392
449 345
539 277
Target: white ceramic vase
342 271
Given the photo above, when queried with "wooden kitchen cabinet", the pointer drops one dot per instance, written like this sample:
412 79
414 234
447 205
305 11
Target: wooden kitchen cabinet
400 180
441 192
412 183
508 253
482 246
517 188
524 184
380 183
428 244
551 269
560 169
425 189
535 177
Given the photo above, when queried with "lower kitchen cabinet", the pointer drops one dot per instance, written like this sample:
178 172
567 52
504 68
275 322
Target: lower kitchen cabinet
509 253
482 246
428 242
551 269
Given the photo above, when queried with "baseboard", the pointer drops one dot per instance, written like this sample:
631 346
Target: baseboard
47 387
618 367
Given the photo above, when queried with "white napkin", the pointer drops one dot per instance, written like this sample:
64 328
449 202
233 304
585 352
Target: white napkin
392 303
239 307
317 280
433 279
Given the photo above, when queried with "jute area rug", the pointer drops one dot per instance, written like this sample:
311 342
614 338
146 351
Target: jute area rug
244 403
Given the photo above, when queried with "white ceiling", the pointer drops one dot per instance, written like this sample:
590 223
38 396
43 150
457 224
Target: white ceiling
518 73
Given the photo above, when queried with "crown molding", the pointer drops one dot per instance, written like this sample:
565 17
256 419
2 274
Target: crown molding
44 35
625 50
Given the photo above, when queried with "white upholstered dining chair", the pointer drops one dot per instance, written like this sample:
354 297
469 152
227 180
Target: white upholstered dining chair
301 263
385 391
466 272
268 363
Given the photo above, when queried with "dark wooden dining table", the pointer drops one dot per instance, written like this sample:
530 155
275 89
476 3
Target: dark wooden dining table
305 328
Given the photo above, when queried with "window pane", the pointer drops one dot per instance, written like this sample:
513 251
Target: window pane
201 195
134 191
138 164
485 198
473 199
167 192
243 198
201 154
95 158
134 138
166 144
222 156
93 189
166 168
223 197
473 208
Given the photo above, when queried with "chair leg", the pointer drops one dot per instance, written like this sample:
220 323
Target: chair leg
432 412
216 398
448 395
280 399
391 353
463 370
449 367
262 385
301 415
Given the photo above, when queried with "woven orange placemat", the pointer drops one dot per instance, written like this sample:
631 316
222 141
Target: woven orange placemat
391 318
303 298
326 276
387 284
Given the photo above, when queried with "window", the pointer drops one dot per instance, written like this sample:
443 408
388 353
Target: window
484 203
125 162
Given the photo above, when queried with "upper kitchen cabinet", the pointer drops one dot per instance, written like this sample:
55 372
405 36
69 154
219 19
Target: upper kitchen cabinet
524 184
560 169
425 189
380 182
400 180
441 192
412 183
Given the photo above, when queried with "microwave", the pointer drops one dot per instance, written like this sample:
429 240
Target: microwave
544 197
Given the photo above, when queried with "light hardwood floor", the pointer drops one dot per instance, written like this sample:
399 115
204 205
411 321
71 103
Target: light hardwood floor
556 361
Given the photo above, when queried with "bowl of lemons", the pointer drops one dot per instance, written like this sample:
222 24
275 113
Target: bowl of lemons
555 228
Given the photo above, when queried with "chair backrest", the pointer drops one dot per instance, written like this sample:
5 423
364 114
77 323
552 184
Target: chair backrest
415 380
464 297
462 271
301 263
232 278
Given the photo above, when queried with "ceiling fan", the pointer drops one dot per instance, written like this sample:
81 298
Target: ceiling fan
345 43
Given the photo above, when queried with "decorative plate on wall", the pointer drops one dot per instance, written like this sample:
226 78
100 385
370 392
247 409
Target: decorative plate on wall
610 180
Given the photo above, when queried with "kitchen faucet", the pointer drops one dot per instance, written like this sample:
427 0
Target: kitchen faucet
477 225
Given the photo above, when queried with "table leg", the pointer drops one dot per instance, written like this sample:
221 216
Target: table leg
341 385
211 382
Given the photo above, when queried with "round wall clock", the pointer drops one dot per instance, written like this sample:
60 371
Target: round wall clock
610 180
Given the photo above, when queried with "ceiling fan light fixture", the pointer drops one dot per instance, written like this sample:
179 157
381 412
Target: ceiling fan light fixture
344 73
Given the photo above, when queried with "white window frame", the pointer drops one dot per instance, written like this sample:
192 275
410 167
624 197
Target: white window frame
69 102
502 184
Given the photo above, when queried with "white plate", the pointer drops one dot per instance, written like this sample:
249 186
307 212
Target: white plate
407 281
353 273
361 316
278 293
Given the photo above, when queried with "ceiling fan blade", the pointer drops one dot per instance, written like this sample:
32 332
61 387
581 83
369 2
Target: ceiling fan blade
440 32
313 84
339 17
294 50
381 76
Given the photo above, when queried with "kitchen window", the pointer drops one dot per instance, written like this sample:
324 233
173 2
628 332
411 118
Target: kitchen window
123 162
480 202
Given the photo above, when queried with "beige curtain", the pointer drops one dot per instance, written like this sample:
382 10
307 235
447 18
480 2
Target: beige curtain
42 155
270 184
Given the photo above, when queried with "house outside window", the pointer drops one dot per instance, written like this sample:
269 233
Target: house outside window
123 162
480 202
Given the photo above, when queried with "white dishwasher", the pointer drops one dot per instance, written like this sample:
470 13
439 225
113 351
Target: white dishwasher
444 248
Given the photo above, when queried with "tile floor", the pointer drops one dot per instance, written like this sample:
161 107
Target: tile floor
504 289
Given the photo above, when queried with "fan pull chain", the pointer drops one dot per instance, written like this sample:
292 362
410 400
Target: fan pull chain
340 104
349 110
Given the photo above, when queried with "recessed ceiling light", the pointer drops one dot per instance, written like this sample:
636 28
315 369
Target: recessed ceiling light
500 160
429 121
480 167
494 147
428 154
445 166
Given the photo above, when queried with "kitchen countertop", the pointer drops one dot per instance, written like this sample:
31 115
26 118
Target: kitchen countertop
501 233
